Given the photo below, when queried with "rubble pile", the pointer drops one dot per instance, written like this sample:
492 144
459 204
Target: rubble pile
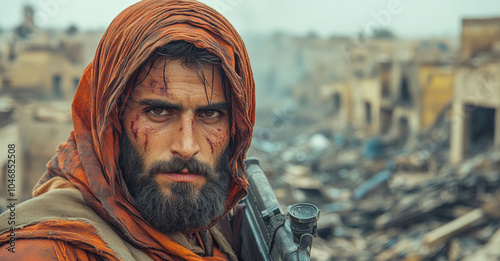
378 203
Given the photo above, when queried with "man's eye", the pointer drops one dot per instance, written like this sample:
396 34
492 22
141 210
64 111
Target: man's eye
210 114
158 111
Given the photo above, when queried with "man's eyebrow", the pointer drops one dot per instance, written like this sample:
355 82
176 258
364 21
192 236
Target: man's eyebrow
160 104
219 106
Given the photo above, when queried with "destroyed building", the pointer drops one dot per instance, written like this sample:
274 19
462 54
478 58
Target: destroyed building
58 81
355 99
286 66
40 70
339 103
408 203
422 91
476 103
322 62
396 88
26 72
44 64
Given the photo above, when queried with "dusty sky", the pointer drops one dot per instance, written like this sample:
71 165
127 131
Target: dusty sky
407 18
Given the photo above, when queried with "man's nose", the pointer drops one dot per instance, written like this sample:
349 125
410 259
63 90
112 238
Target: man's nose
185 143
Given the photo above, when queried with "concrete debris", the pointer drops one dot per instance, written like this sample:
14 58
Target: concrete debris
374 182
381 203
488 252
318 142
374 148
445 232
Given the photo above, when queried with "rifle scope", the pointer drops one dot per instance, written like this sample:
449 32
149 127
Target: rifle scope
303 220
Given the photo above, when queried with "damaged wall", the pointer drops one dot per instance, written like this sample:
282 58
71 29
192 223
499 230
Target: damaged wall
57 81
437 93
476 87
477 82
367 102
479 36
338 97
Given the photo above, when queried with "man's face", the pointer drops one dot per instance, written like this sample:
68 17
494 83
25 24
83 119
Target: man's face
174 152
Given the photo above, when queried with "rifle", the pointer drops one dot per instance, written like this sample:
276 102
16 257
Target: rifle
267 234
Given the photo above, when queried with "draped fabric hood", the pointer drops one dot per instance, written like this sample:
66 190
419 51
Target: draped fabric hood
89 158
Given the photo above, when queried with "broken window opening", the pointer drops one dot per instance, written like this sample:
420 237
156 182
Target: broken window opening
405 94
385 120
337 103
403 129
481 126
385 90
56 87
385 78
368 113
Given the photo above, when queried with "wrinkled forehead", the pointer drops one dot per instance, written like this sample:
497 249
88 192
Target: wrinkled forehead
160 75
166 68
165 65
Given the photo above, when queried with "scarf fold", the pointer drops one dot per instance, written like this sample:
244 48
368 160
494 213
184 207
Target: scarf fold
89 158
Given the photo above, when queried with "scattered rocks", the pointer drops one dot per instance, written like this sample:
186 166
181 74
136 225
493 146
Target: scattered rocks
381 204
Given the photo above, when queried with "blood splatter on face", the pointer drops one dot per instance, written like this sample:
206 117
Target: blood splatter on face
147 132
211 144
133 126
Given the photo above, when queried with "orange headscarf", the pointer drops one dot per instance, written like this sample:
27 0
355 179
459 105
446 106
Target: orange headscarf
89 159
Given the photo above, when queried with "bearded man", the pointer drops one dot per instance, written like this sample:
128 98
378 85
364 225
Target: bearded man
163 117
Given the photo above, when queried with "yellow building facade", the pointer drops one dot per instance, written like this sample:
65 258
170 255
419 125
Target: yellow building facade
437 92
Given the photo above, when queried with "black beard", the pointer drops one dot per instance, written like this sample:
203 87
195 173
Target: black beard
184 209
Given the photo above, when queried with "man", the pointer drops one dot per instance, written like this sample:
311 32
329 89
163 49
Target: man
163 117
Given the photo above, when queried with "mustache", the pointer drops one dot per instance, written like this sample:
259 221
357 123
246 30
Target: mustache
176 165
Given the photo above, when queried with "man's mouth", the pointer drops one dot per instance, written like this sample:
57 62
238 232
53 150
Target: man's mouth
182 176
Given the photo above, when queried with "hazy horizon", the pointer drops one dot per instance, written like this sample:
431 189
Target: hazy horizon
406 18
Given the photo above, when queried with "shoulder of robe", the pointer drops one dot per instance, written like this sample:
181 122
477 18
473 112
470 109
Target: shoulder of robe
75 225
44 250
